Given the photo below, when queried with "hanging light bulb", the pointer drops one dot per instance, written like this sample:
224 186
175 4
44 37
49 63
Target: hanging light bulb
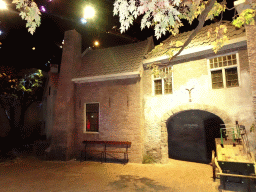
89 12
96 43
2 5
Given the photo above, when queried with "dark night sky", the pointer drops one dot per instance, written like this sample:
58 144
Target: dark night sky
17 42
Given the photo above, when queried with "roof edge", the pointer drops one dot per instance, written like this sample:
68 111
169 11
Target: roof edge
86 50
193 50
127 75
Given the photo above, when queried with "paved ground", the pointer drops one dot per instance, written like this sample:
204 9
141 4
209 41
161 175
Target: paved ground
30 175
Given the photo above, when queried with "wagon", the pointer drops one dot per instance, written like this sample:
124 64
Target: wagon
233 158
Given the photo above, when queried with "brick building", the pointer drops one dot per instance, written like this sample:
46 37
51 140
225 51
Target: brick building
97 96
111 94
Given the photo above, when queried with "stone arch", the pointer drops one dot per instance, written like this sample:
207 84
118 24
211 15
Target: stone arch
174 111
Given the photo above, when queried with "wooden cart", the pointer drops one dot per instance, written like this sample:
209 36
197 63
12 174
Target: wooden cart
233 158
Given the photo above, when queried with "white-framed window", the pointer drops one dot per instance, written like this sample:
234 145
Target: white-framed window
91 111
224 71
162 83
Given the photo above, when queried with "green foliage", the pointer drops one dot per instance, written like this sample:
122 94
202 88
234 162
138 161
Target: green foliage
195 9
25 85
246 17
174 48
158 48
17 92
252 128
220 37
30 82
148 159
216 10
170 51
155 70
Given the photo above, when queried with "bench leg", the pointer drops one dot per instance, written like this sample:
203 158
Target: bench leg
101 157
81 156
248 184
223 181
85 155
125 158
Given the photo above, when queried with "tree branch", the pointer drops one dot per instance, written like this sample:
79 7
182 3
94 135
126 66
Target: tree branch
201 20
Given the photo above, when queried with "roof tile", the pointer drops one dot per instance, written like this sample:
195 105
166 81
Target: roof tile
201 39
113 60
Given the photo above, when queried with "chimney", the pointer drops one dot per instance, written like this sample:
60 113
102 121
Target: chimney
62 143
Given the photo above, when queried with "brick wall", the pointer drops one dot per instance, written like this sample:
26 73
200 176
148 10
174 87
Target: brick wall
120 112
250 34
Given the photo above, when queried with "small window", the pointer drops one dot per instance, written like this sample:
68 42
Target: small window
163 81
231 77
158 86
224 71
92 117
217 80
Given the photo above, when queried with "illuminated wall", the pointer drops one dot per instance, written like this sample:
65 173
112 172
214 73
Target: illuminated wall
230 104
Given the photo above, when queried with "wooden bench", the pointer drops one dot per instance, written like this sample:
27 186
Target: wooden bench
107 148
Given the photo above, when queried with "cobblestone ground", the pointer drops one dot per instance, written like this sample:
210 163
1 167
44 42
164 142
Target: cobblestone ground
30 174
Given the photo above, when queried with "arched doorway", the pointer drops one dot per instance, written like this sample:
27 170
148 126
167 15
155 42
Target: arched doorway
191 135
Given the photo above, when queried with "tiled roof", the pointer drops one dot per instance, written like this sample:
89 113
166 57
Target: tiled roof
114 60
201 39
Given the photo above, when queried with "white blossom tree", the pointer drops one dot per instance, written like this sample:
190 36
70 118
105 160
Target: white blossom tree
29 11
169 15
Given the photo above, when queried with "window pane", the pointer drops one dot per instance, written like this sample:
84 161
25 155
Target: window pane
211 63
158 86
217 79
231 77
223 61
167 87
92 117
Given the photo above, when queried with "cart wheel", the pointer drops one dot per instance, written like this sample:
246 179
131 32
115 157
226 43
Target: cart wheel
213 166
